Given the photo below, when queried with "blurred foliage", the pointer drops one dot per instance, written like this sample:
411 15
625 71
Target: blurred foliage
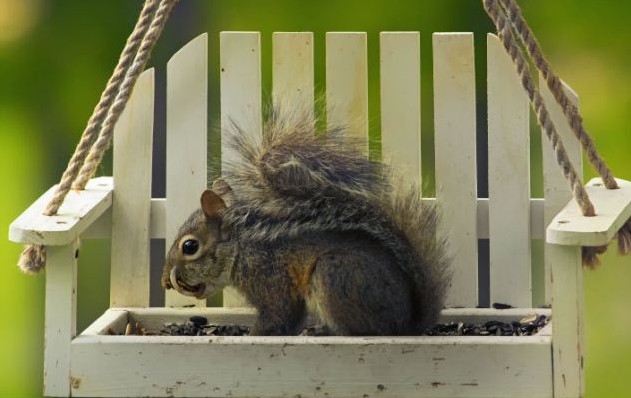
55 58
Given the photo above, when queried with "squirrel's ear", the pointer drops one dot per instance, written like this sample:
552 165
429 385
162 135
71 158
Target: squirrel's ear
221 187
212 204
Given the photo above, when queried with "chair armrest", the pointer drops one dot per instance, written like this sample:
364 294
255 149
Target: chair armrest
78 212
613 209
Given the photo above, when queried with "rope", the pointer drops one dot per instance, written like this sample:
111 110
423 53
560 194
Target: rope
501 14
571 112
101 109
543 117
89 152
107 130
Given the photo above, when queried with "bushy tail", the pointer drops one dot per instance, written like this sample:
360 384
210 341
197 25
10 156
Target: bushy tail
294 181
428 261
293 159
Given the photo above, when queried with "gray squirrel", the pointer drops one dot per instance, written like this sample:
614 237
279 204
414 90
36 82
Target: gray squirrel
304 223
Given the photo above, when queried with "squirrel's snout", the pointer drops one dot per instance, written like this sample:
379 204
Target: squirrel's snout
172 282
167 284
165 281
197 290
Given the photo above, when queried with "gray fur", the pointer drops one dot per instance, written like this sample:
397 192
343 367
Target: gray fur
378 265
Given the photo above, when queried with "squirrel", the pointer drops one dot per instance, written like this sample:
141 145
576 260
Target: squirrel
305 223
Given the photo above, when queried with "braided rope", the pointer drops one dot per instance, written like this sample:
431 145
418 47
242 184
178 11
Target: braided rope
101 109
107 130
570 110
511 45
111 104
508 9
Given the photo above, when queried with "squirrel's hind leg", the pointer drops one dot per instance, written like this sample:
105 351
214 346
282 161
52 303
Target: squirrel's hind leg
279 320
269 324
280 313
360 293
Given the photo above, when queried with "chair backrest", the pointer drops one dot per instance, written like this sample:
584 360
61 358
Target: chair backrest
509 218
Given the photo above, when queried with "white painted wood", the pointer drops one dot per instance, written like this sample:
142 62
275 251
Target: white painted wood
537 228
401 102
292 70
113 319
455 148
187 127
567 320
60 317
546 331
131 207
564 277
555 187
613 209
240 81
347 83
76 214
509 180
155 318
101 229
162 366
481 315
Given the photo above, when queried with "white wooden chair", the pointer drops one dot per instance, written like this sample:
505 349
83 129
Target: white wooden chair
120 208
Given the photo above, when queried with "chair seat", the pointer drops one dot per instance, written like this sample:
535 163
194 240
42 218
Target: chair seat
161 366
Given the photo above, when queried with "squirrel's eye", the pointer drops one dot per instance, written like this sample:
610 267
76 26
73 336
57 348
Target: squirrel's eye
190 247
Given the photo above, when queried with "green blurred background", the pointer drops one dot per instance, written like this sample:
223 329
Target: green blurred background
55 57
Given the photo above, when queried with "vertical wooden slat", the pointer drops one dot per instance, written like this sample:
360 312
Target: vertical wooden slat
240 102
401 102
60 317
187 107
567 320
240 87
292 71
563 270
509 181
131 207
556 189
455 143
347 82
